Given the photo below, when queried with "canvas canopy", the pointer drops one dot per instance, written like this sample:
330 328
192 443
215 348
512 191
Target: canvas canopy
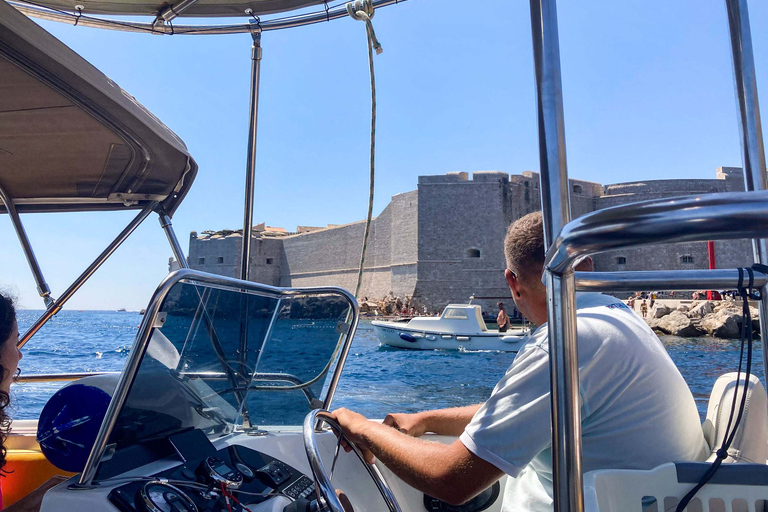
71 139
201 8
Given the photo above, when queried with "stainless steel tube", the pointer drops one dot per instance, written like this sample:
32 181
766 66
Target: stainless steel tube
726 216
277 24
178 252
750 130
58 377
352 318
42 287
564 376
555 200
250 172
678 280
561 309
124 382
56 305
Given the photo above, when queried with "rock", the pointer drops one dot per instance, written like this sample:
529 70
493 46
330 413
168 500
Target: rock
700 310
724 304
678 324
683 308
660 310
723 324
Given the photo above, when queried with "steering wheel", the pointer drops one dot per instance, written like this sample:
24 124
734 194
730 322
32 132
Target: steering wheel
325 490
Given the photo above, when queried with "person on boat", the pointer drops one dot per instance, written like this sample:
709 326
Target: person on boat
502 320
10 356
637 412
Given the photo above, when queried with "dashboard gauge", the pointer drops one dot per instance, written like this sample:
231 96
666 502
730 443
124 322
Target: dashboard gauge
162 497
223 473
245 470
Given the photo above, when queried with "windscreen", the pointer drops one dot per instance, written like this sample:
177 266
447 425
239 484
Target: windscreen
217 356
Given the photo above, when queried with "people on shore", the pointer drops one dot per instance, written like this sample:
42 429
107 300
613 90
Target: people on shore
502 319
644 308
511 432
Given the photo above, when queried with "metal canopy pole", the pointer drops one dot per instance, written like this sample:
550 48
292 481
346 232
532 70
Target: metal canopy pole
250 175
178 252
57 304
42 287
155 28
561 307
250 172
750 131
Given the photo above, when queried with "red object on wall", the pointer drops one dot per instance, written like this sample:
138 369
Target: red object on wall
712 264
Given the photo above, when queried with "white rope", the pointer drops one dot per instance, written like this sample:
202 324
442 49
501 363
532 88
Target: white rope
362 10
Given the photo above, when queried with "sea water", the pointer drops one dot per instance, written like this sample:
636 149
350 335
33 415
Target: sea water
376 379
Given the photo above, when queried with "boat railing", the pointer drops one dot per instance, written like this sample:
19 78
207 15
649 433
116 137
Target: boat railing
720 216
296 382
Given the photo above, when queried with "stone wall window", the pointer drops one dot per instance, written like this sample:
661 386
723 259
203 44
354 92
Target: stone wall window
201 261
577 189
686 258
270 261
621 260
220 259
473 253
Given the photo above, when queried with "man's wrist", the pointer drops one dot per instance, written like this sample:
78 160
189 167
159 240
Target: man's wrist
426 421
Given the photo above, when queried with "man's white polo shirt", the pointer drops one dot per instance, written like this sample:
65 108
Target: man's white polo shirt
636 410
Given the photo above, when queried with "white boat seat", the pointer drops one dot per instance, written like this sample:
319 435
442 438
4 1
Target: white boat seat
734 488
749 443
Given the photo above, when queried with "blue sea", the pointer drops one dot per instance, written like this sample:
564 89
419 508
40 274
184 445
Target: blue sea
376 379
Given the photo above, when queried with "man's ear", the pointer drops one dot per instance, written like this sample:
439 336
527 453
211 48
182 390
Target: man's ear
585 265
514 284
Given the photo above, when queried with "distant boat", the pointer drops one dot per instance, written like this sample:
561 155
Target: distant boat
461 326
121 310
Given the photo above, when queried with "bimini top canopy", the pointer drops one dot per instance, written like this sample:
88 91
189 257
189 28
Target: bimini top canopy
200 8
71 139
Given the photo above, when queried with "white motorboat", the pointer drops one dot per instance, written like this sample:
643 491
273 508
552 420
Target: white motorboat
459 327
216 407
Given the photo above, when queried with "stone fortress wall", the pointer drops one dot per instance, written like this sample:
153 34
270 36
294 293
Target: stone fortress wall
443 242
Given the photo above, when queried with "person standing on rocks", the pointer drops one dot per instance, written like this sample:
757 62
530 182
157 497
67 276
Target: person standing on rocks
644 308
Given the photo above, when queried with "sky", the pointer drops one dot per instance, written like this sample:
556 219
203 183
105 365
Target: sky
647 86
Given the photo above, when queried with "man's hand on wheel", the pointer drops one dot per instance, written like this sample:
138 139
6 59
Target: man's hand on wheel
410 424
353 426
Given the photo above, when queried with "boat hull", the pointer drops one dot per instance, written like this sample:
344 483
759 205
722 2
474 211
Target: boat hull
401 336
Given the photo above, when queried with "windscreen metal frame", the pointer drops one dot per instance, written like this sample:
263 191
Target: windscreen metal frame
141 343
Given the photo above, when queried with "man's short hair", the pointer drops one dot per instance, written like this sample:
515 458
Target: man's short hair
524 246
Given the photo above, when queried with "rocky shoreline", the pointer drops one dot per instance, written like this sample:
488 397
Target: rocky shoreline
718 318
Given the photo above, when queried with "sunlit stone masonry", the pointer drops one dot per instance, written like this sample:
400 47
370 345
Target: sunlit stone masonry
443 242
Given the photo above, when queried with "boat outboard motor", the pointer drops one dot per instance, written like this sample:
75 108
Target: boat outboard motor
71 420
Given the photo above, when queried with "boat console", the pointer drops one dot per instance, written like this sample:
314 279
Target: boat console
205 415
233 478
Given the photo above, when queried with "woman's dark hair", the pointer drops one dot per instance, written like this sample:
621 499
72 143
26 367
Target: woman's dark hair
7 321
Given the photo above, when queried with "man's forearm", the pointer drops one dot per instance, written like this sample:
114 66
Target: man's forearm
447 472
449 422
